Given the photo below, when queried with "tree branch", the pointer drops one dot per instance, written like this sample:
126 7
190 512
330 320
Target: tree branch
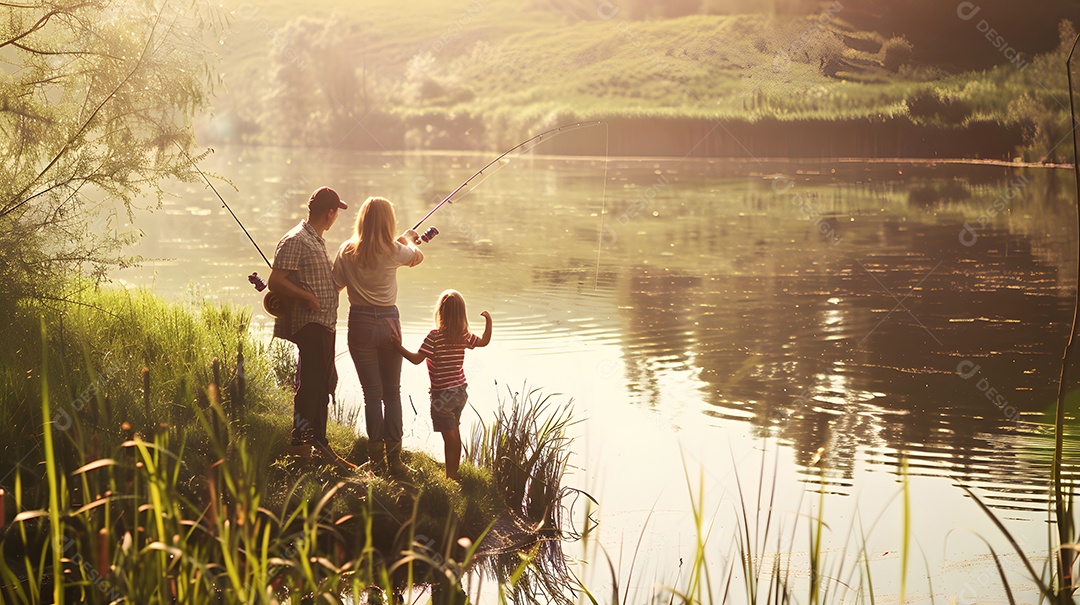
51 53
43 20
27 115
86 124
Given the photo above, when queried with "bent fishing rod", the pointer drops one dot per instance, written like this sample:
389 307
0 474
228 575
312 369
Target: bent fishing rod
537 139
253 279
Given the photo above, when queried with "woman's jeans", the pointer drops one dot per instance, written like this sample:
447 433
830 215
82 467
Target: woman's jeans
378 364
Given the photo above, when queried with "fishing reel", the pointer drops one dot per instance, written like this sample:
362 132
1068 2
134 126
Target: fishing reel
258 282
273 303
428 234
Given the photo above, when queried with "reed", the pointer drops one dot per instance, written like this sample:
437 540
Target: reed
754 561
527 450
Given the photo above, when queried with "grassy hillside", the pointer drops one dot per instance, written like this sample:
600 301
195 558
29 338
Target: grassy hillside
472 75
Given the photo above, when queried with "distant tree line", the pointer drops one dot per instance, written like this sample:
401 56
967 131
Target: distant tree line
937 30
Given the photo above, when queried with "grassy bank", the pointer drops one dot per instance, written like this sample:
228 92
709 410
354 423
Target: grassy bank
142 459
487 74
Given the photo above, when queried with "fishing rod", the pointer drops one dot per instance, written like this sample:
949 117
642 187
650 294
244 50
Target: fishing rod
225 204
432 232
254 279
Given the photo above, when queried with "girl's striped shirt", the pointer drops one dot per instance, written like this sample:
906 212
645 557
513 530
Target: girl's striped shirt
444 359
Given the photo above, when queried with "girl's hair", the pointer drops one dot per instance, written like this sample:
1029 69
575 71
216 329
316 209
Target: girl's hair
450 317
373 237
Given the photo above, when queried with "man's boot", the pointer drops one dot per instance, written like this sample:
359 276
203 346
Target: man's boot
393 460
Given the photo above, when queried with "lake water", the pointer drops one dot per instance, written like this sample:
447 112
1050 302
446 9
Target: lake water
783 328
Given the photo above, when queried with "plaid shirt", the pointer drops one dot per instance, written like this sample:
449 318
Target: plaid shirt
303 251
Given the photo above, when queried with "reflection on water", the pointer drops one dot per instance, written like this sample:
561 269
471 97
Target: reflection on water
831 305
853 343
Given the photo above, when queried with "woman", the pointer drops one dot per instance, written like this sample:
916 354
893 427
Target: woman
366 265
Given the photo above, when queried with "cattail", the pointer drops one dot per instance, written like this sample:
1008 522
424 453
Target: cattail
238 402
103 553
212 512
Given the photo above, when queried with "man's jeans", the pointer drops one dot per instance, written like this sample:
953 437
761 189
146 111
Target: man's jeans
314 375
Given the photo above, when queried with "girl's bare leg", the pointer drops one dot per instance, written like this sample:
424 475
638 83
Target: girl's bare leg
452 451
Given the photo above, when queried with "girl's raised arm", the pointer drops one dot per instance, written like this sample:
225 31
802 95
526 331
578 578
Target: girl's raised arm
486 338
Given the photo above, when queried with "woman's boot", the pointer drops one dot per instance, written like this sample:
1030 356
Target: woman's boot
393 459
376 457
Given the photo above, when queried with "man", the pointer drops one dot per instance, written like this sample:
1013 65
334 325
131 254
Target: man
302 274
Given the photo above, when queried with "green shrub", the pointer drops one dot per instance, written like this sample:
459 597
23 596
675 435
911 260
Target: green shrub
896 53
933 106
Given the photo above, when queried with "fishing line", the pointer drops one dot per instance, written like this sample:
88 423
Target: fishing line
488 175
603 206
538 139
223 203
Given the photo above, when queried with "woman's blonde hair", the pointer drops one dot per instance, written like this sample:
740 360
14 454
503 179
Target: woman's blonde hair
373 237
450 316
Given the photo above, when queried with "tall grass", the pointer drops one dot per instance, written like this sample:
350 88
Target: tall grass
203 507
772 552
527 450
757 565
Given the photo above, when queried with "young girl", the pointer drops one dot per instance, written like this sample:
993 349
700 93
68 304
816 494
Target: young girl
444 349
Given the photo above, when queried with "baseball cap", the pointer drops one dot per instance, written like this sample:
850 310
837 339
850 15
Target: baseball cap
325 198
